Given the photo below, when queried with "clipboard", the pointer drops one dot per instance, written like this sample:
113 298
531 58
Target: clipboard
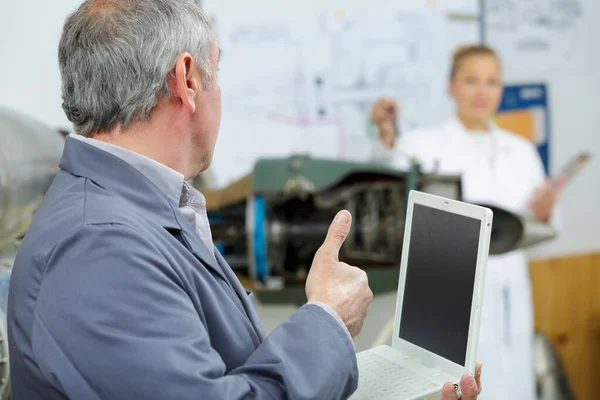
573 167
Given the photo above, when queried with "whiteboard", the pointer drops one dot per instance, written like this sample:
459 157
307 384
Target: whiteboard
303 82
543 35
555 42
310 7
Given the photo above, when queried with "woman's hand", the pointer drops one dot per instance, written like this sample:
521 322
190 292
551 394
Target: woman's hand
545 196
384 114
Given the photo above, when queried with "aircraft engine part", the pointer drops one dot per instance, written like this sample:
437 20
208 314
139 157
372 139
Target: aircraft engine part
29 156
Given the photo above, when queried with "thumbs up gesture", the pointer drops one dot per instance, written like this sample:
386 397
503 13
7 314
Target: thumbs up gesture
342 287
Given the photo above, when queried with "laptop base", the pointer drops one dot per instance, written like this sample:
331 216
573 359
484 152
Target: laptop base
386 373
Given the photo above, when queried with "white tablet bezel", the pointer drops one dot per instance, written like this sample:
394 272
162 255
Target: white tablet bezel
428 358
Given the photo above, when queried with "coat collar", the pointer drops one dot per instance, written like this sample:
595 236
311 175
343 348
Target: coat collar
168 181
123 180
456 126
245 297
120 178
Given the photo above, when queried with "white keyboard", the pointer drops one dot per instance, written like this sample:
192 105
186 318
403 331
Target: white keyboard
382 379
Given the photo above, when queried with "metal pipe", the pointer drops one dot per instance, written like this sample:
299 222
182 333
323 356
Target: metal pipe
29 156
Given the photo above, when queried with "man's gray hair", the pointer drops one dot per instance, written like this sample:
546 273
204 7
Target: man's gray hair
116 57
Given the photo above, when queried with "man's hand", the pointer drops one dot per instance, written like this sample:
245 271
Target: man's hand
544 198
470 387
342 287
383 114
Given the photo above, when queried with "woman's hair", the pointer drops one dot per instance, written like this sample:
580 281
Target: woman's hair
464 52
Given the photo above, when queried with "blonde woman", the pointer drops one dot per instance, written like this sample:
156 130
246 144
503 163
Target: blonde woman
497 167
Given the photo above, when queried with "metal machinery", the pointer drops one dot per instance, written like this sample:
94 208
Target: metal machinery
29 156
7 256
270 224
551 380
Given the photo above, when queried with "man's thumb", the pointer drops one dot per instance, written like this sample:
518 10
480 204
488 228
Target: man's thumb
337 233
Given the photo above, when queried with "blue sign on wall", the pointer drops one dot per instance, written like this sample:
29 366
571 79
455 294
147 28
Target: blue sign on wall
524 109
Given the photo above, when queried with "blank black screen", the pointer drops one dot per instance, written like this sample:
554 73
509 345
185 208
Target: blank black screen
440 276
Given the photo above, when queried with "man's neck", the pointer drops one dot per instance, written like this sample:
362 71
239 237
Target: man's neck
150 140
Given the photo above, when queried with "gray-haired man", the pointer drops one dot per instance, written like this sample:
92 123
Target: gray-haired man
118 291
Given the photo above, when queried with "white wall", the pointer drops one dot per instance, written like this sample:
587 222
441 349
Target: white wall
575 119
575 126
308 6
29 76
30 82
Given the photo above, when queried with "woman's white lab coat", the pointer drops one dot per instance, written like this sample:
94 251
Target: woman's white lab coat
508 180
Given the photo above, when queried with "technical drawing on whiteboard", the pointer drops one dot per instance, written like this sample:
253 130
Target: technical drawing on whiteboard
395 54
306 84
538 34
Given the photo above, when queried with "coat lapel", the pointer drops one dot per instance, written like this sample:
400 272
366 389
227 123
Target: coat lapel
190 239
245 297
219 266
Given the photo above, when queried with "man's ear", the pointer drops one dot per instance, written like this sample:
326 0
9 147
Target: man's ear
184 85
